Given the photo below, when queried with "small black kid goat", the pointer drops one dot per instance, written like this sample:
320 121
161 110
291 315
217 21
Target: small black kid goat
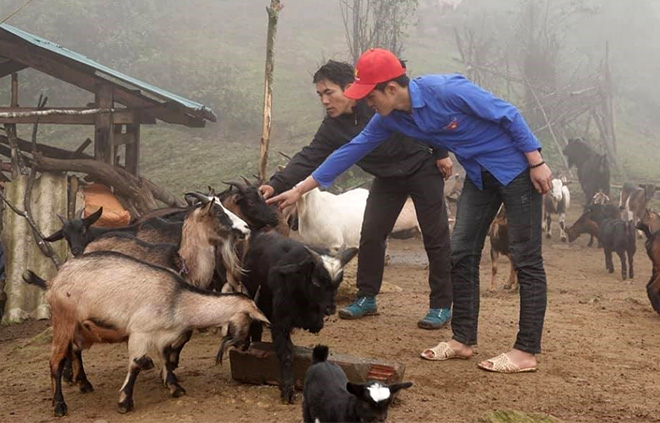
330 397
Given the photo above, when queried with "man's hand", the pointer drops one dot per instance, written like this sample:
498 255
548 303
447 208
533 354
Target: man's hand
445 166
266 191
286 199
541 178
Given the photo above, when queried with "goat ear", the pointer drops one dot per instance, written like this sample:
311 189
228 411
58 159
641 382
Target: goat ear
347 255
396 387
55 237
355 389
316 256
89 220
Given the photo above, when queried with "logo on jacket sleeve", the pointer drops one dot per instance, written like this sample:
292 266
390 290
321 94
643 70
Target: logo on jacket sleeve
451 126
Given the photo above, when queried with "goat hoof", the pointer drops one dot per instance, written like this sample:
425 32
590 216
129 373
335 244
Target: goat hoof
86 387
563 239
60 409
548 236
288 396
177 391
125 406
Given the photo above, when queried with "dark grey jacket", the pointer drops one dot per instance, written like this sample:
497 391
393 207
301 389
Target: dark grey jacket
397 157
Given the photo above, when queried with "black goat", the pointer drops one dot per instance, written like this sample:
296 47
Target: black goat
593 169
79 232
619 237
297 288
330 397
590 220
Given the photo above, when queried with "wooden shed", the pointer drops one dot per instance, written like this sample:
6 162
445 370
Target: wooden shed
122 103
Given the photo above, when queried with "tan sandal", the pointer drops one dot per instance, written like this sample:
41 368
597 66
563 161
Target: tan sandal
442 352
503 364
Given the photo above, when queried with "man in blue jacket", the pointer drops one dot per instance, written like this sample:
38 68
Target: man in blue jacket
503 163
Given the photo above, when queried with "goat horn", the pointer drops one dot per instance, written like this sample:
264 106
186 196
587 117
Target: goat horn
201 197
234 184
246 180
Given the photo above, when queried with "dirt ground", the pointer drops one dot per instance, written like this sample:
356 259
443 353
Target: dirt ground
600 361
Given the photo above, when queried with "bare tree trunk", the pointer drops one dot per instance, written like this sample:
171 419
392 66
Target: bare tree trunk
273 15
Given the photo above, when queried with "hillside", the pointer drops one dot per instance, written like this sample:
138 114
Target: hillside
213 52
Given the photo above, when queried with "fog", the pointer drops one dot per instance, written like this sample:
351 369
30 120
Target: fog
213 51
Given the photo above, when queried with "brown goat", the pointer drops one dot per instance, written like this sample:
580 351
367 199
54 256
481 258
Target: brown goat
149 307
499 244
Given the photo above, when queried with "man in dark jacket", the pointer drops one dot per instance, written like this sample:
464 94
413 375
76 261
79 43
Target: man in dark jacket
402 167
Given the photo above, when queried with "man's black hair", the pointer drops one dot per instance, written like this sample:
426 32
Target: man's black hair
340 73
402 80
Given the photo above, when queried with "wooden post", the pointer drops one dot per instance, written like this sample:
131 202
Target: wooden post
133 150
273 14
103 133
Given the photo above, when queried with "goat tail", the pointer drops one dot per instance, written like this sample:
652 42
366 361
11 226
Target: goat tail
320 354
31 278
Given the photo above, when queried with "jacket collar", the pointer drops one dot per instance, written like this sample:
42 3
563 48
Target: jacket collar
416 98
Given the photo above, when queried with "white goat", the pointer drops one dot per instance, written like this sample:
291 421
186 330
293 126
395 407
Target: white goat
108 297
335 221
330 220
557 201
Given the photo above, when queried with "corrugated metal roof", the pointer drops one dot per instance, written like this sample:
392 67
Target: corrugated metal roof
111 74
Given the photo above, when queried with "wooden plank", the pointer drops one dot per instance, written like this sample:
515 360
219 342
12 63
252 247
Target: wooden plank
8 67
121 117
47 150
103 133
132 161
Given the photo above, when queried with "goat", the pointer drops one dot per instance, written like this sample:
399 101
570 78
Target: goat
205 229
328 396
147 306
635 202
297 288
590 221
499 244
618 236
650 226
330 220
246 201
600 198
335 221
593 169
79 232
557 201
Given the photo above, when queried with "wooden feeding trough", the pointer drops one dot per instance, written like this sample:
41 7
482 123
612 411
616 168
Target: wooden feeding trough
258 365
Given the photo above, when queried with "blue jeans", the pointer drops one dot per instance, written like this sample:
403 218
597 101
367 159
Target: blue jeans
476 210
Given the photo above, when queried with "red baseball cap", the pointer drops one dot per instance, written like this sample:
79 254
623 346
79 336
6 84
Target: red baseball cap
376 65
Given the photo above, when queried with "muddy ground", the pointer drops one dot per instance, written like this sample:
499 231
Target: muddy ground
600 363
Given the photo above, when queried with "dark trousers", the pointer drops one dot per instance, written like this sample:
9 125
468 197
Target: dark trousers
476 210
386 199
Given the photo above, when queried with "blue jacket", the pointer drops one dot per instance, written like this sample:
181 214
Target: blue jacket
483 131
